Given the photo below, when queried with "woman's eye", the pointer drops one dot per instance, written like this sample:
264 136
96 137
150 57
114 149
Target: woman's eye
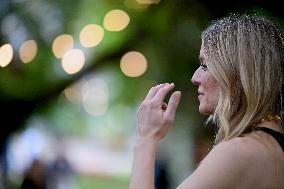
203 66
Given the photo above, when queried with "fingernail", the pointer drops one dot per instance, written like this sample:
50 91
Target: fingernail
177 94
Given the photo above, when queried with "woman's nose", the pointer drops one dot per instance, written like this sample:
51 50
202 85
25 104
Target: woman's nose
196 78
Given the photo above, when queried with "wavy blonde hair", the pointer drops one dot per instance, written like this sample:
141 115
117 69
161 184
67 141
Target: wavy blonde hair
245 55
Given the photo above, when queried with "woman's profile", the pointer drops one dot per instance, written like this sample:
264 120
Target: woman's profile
240 86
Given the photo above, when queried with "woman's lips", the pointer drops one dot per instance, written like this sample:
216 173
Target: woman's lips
200 94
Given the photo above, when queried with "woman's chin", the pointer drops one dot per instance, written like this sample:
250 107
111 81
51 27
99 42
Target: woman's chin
205 111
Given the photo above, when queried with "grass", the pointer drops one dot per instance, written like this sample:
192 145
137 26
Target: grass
95 182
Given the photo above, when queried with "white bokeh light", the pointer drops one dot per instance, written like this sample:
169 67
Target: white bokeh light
73 61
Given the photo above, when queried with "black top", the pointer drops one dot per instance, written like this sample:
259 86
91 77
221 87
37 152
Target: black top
279 137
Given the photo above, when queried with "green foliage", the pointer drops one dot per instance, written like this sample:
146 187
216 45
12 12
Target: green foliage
103 182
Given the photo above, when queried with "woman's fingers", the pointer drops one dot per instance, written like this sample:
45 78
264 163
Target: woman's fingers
162 92
154 117
164 106
154 90
172 106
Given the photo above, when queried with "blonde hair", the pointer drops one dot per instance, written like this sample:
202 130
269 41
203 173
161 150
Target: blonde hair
245 55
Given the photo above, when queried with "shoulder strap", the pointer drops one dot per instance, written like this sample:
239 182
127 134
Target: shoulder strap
279 137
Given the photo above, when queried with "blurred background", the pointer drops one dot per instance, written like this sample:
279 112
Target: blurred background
72 74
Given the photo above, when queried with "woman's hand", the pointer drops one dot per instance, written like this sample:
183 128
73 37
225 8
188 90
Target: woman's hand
154 117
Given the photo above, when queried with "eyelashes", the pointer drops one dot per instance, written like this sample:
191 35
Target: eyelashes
203 66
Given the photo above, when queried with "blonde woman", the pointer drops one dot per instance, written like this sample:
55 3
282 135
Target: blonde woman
240 87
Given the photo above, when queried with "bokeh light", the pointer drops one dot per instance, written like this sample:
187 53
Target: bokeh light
6 54
72 94
62 44
73 61
95 97
28 51
133 64
133 4
91 35
148 1
116 20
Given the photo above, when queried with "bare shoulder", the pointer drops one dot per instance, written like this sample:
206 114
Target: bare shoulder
247 151
238 152
225 165
241 147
